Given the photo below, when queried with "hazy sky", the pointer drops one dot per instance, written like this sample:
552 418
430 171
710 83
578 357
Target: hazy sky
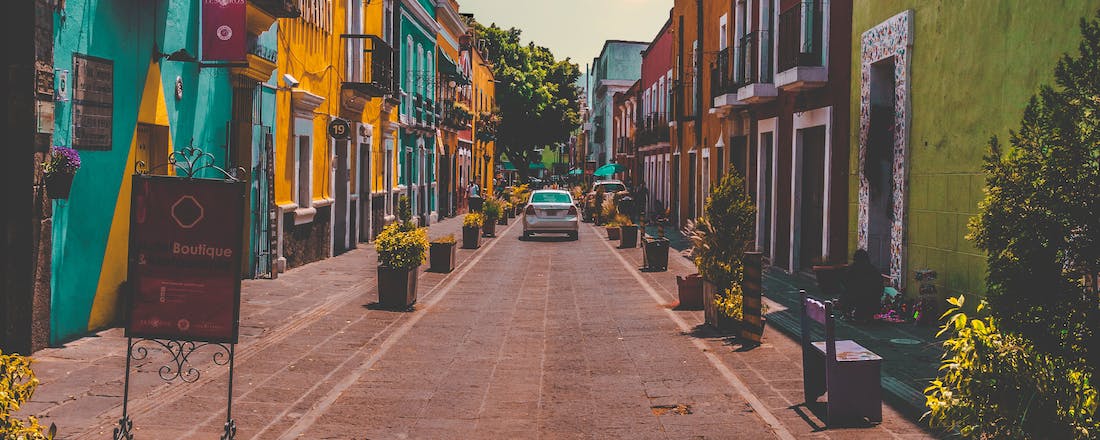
574 28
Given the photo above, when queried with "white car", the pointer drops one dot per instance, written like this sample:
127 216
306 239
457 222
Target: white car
551 211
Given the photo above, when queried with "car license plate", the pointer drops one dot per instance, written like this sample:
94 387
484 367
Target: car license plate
553 212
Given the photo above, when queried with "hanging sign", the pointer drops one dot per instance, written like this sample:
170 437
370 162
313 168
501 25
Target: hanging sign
185 259
223 30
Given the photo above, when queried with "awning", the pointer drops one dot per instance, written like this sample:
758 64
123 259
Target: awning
507 166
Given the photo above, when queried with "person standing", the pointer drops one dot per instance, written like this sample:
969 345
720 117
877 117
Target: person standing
862 287
475 197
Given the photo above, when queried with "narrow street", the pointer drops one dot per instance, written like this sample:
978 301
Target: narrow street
525 339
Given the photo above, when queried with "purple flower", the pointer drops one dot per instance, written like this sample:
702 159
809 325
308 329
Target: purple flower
63 160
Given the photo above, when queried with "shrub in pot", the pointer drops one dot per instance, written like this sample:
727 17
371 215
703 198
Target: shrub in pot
690 291
719 239
59 171
655 250
401 250
628 232
610 215
505 208
491 210
471 230
442 254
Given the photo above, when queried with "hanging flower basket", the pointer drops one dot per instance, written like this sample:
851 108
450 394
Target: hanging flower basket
59 170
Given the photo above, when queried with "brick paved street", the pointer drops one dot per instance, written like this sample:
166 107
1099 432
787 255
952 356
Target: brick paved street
525 339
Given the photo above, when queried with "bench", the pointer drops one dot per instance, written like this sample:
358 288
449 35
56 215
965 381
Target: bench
850 373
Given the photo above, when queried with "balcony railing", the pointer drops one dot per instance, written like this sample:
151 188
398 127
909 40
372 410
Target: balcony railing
683 101
372 74
624 145
722 80
800 35
754 61
279 8
652 129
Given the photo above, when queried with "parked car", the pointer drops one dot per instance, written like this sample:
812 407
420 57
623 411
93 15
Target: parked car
610 187
551 211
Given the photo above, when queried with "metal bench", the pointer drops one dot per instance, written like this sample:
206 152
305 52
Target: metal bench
850 373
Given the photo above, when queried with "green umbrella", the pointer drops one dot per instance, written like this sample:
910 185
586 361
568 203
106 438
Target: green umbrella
609 169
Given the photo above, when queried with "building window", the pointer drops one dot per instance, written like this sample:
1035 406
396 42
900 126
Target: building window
304 161
722 32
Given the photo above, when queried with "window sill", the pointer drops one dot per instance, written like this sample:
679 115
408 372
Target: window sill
304 215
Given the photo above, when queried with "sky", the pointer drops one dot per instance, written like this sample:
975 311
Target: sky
574 28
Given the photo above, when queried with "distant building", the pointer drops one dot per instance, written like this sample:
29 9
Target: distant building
617 67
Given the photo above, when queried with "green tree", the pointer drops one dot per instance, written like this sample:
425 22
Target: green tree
1040 220
535 95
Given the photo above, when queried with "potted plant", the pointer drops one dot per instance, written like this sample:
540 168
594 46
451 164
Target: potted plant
719 239
505 208
655 249
471 230
442 254
628 232
59 170
611 215
401 250
491 210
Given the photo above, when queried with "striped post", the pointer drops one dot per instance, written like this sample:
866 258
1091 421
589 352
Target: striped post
752 323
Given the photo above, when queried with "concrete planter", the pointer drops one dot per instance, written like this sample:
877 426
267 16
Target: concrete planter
690 291
489 229
442 257
471 237
613 233
503 220
629 237
714 318
655 253
59 185
397 287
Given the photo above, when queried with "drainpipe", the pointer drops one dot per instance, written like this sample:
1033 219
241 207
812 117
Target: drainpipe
699 73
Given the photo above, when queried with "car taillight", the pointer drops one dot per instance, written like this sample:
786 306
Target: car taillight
530 210
573 210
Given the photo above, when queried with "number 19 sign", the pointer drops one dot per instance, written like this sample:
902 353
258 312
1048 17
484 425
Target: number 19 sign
185 262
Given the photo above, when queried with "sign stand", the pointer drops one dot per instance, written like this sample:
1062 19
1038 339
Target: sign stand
167 277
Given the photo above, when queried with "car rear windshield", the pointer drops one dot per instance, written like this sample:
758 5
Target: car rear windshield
550 197
613 187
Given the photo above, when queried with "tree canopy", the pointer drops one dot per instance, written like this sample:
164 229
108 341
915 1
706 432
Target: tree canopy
535 93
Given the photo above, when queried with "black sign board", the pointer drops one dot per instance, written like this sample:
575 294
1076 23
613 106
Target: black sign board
93 102
339 129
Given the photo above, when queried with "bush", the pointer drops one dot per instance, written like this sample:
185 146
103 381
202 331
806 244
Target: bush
1039 222
446 239
473 220
491 209
720 238
17 384
994 384
402 247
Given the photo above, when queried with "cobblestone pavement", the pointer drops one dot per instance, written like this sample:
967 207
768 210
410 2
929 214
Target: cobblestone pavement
525 339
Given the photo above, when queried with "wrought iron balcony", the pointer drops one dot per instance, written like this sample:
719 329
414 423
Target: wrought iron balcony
722 81
372 74
800 35
278 8
754 62
683 101
652 129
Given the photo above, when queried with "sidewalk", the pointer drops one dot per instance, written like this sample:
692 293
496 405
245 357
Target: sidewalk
300 325
911 354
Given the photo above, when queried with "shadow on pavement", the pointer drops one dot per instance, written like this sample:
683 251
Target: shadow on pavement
547 238
379 306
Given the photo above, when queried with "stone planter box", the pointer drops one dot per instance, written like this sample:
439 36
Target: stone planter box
629 237
655 253
712 317
489 229
613 233
503 220
690 291
471 237
442 257
397 287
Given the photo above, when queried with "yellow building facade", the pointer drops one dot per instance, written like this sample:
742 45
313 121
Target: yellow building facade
312 69
484 101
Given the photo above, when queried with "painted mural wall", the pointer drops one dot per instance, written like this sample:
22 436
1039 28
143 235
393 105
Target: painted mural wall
91 227
973 66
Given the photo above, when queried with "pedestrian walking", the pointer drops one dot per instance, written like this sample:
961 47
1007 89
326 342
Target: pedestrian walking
475 197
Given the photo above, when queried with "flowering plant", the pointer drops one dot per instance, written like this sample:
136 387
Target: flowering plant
402 246
473 220
63 160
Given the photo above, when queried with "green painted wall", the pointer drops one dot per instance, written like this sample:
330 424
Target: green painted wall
411 70
123 31
975 64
